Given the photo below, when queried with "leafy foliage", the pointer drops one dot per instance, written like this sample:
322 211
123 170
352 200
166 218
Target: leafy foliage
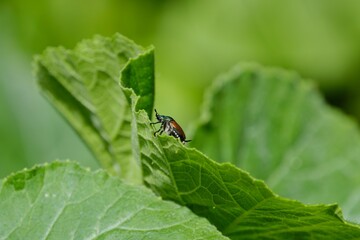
261 120
83 85
90 205
236 203
276 126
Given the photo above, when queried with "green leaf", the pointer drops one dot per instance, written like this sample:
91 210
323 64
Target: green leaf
83 85
139 76
65 201
236 203
276 126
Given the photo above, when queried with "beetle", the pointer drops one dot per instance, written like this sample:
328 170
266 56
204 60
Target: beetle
170 127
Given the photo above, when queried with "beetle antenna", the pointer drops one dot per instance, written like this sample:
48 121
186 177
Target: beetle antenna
156 113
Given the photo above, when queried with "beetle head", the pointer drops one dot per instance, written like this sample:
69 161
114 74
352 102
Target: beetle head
163 118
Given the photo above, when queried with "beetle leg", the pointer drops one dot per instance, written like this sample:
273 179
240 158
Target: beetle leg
152 123
160 131
157 132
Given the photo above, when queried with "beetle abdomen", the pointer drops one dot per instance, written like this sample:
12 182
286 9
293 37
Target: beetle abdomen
177 130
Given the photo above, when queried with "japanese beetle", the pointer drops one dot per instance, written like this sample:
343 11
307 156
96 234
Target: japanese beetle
170 127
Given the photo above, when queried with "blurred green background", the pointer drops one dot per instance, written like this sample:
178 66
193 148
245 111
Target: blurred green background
195 41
